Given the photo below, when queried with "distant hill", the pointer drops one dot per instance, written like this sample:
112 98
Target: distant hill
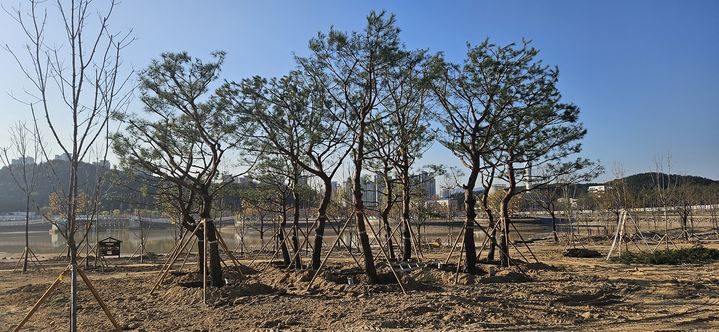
641 181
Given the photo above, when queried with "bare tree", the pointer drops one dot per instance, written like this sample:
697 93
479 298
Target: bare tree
79 79
666 186
546 197
24 143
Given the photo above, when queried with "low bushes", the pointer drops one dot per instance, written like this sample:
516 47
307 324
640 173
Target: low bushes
696 254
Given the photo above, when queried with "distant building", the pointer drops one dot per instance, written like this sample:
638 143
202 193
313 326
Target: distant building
427 182
370 193
497 187
335 186
528 176
19 161
572 202
102 163
447 192
597 189
62 157
227 178
243 180
446 203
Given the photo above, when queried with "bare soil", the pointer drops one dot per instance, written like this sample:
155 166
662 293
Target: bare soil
562 293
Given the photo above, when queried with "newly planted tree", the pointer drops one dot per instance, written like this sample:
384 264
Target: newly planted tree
402 134
356 68
474 97
538 131
296 120
182 137
24 171
77 78
547 196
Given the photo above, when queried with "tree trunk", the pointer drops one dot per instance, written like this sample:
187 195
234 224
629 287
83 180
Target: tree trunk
71 246
493 232
200 250
504 237
370 269
406 201
321 221
504 212
281 235
295 228
469 246
554 227
214 252
385 216
27 231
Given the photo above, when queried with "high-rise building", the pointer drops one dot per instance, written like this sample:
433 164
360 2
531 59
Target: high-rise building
370 196
18 162
427 183
528 176
335 187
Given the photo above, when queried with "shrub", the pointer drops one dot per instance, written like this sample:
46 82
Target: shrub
696 254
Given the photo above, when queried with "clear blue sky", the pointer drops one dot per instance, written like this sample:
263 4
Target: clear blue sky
645 73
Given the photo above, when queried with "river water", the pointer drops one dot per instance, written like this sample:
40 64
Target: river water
162 237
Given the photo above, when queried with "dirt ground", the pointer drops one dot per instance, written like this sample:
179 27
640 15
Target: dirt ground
561 293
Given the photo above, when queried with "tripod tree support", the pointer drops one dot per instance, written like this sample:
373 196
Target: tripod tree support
54 286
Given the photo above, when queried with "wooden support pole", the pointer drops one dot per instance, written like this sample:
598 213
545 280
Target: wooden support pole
41 300
501 250
525 242
389 263
451 251
37 261
229 253
20 259
204 261
306 241
417 248
386 240
169 266
177 251
322 264
459 263
262 248
184 260
99 300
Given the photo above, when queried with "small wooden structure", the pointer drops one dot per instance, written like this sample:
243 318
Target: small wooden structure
109 246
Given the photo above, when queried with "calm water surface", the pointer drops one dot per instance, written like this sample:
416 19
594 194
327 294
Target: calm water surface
161 238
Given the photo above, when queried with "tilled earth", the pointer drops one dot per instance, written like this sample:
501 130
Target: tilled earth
562 293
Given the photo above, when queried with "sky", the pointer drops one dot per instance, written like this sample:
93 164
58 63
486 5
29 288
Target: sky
644 73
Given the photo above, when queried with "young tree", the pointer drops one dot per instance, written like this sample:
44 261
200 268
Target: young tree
183 138
78 78
546 197
473 98
666 188
355 68
276 186
540 131
402 135
24 145
296 120
381 165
